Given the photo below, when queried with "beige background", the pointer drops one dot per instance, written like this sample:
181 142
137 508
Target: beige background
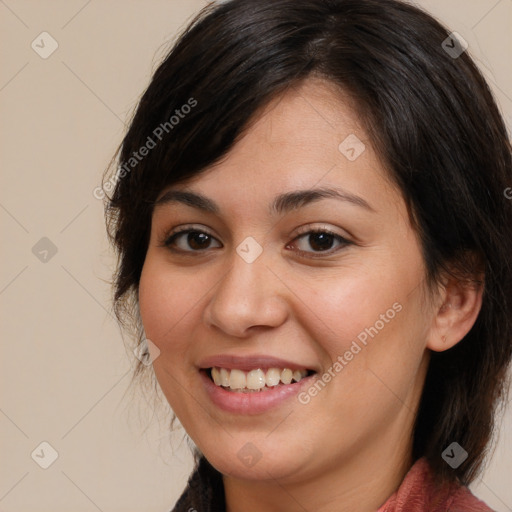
65 370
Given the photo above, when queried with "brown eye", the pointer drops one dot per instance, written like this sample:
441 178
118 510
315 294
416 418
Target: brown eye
318 241
194 241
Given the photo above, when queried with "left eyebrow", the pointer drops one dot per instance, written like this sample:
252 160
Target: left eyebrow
299 198
281 204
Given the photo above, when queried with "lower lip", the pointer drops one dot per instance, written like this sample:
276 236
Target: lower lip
252 402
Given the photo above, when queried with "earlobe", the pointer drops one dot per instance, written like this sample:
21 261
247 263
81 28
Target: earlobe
461 304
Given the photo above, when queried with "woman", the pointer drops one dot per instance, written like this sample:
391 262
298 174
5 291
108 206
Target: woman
314 245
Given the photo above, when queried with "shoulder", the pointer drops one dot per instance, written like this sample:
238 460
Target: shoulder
462 500
419 492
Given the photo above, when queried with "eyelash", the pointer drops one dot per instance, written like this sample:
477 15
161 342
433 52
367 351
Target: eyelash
171 237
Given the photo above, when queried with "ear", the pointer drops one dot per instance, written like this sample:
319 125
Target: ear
456 310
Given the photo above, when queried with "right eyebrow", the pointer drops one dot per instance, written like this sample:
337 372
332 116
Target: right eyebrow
190 199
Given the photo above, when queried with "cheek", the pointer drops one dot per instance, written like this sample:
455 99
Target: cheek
168 300
352 305
371 321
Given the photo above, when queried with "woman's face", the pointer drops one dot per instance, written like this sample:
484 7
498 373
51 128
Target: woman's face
253 292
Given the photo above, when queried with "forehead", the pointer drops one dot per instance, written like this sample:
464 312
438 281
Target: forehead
312 113
309 136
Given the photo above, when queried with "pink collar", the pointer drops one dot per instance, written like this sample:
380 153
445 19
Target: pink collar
419 493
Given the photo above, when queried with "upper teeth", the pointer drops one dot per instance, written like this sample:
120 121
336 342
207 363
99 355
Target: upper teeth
255 379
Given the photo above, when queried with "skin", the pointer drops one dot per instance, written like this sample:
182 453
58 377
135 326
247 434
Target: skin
350 446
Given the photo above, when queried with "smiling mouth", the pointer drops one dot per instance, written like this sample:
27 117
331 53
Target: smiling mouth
257 380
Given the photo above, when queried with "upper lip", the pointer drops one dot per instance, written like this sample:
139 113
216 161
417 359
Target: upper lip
247 363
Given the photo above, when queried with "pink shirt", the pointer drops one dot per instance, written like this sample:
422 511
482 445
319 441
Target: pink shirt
418 493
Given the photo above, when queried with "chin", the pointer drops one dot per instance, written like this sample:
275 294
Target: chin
255 461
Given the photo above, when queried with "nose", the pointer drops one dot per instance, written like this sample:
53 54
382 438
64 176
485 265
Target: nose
247 297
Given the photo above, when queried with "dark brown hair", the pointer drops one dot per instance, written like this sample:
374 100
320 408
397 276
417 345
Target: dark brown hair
430 116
